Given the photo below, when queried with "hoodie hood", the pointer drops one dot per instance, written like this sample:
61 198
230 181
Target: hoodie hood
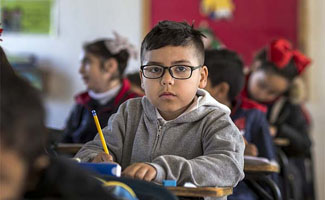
206 104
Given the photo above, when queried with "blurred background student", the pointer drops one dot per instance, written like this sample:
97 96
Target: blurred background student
225 81
274 70
102 67
26 171
135 82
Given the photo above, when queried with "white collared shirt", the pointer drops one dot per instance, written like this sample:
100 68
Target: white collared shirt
105 97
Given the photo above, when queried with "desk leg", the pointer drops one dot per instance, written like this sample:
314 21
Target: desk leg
287 184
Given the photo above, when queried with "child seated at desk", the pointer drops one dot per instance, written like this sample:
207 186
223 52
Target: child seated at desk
274 71
225 81
177 130
102 67
26 172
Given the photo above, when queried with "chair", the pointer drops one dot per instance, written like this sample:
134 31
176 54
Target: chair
257 177
54 137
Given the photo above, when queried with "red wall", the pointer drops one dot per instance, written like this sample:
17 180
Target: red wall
255 22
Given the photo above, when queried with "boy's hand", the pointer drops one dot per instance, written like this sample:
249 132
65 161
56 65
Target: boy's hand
140 171
102 157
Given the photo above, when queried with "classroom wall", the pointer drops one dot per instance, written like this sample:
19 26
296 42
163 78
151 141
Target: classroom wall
78 21
244 32
316 50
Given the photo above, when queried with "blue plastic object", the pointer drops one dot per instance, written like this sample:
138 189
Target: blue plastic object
169 183
103 168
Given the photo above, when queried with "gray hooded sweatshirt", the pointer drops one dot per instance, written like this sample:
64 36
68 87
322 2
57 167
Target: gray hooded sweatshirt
201 146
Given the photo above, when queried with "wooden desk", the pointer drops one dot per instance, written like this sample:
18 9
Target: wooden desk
252 166
257 177
201 191
68 148
265 168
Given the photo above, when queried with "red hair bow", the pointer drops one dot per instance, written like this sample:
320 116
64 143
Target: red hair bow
280 53
0 32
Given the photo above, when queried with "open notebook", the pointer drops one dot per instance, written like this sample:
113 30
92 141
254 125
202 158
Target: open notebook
252 160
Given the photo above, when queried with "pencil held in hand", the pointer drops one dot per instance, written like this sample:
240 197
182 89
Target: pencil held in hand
99 129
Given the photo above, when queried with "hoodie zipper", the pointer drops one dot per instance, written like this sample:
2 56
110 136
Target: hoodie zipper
156 140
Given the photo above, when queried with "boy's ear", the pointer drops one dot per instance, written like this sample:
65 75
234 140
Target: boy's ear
203 77
141 77
110 65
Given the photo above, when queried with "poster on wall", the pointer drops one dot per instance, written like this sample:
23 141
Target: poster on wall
28 16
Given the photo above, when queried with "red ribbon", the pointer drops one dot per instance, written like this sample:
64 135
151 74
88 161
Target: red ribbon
0 32
280 52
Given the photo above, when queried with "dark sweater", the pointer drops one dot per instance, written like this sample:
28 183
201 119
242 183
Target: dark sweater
63 179
293 124
80 127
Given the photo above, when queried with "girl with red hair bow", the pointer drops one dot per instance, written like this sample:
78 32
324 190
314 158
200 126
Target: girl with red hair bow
274 71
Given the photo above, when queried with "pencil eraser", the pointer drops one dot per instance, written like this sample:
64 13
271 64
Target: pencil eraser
169 183
93 112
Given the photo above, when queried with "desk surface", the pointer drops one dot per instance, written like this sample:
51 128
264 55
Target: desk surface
68 148
261 167
201 191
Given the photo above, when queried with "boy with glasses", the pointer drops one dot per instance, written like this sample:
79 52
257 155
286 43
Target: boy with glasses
177 130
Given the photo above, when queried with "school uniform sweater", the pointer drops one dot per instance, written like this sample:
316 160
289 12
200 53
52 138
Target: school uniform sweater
250 118
292 123
202 146
80 127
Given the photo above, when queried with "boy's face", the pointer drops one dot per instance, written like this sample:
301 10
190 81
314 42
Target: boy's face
13 172
173 96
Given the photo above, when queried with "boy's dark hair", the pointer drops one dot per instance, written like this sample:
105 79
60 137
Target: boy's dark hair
99 49
22 115
172 33
225 66
289 71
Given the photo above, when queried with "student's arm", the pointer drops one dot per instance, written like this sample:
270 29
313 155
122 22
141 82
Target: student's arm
295 128
261 136
90 150
222 162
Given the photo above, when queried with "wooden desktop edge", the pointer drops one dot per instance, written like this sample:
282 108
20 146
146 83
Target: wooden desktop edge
201 191
261 168
68 147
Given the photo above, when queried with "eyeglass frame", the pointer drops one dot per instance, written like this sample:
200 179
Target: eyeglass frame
169 70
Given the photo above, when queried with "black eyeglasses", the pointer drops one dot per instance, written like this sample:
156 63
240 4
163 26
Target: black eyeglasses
154 71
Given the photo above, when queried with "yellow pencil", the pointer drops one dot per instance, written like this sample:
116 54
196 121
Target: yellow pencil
99 129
